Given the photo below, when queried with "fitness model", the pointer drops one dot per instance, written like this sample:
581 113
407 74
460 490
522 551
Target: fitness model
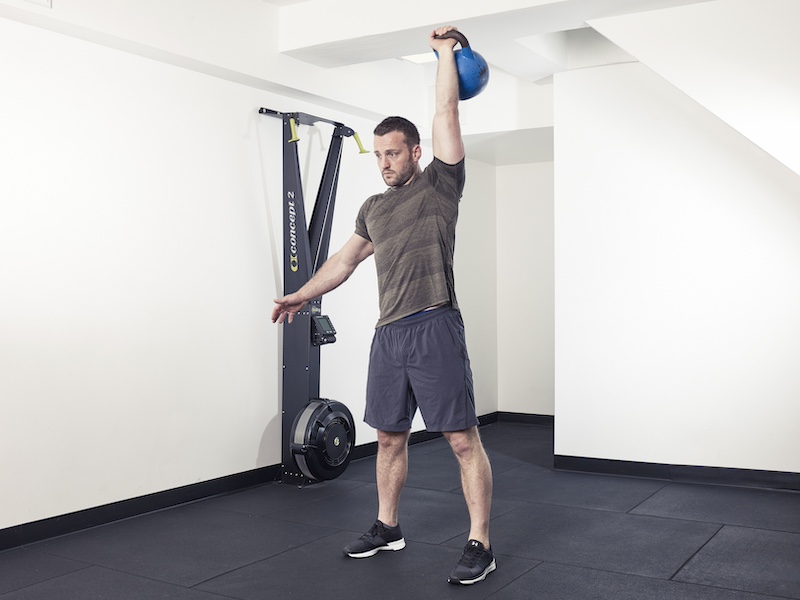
419 356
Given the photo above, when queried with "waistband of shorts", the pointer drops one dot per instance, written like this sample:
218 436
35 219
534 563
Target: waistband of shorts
421 316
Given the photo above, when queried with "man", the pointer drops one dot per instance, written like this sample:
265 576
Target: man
418 356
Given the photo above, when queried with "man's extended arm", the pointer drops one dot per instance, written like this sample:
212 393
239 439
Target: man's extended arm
447 144
331 275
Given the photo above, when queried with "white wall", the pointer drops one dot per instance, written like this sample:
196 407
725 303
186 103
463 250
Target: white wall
476 280
677 249
525 334
139 229
237 43
737 58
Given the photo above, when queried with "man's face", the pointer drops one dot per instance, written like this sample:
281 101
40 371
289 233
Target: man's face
396 161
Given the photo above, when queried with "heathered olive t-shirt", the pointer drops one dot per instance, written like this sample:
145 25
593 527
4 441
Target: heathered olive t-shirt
413 230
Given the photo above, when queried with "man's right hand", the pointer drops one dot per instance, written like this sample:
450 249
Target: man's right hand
439 44
286 308
330 275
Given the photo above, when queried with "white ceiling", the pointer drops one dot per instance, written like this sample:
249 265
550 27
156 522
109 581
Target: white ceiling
509 39
531 41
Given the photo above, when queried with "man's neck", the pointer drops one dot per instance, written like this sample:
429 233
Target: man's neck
410 179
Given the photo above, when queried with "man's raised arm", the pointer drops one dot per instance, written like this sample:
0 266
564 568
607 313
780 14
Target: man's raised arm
447 144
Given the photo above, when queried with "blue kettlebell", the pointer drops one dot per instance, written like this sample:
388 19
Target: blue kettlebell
473 72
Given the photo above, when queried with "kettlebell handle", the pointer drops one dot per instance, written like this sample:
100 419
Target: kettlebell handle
456 35
473 71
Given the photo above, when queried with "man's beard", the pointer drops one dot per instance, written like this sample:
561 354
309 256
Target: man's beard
403 176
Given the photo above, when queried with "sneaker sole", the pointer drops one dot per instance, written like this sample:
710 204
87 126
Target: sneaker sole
394 546
491 567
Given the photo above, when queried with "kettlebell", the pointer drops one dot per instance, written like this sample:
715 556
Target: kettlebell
473 72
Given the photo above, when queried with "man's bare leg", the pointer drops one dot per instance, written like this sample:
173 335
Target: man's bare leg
391 471
391 468
476 480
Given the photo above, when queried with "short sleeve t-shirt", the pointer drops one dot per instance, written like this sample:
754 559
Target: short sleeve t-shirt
413 230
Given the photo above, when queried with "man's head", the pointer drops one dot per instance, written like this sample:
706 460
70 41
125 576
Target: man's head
397 150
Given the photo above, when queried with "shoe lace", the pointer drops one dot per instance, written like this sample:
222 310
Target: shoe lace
472 553
377 529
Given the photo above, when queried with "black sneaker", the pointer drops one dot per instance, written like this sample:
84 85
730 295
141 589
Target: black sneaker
379 537
475 564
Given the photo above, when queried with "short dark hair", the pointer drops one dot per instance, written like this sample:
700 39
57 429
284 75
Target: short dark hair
404 126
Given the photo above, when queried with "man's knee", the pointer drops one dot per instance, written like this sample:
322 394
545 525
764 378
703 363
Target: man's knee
464 443
392 441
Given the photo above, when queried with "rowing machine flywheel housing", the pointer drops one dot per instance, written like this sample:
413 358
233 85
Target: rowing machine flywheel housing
323 437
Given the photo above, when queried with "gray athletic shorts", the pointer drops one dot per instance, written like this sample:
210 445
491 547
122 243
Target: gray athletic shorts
421 361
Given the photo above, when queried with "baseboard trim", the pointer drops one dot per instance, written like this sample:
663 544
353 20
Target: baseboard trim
776 480
530 419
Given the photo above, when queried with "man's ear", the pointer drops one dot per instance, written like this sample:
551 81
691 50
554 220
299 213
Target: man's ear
416 152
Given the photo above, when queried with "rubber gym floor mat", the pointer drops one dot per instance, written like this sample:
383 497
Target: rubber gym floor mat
429 516
418 571
564 582
752 560
21 568
762 509
532 444
272 499
97 582
601 492
619 542
557 535
437 471
184 545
